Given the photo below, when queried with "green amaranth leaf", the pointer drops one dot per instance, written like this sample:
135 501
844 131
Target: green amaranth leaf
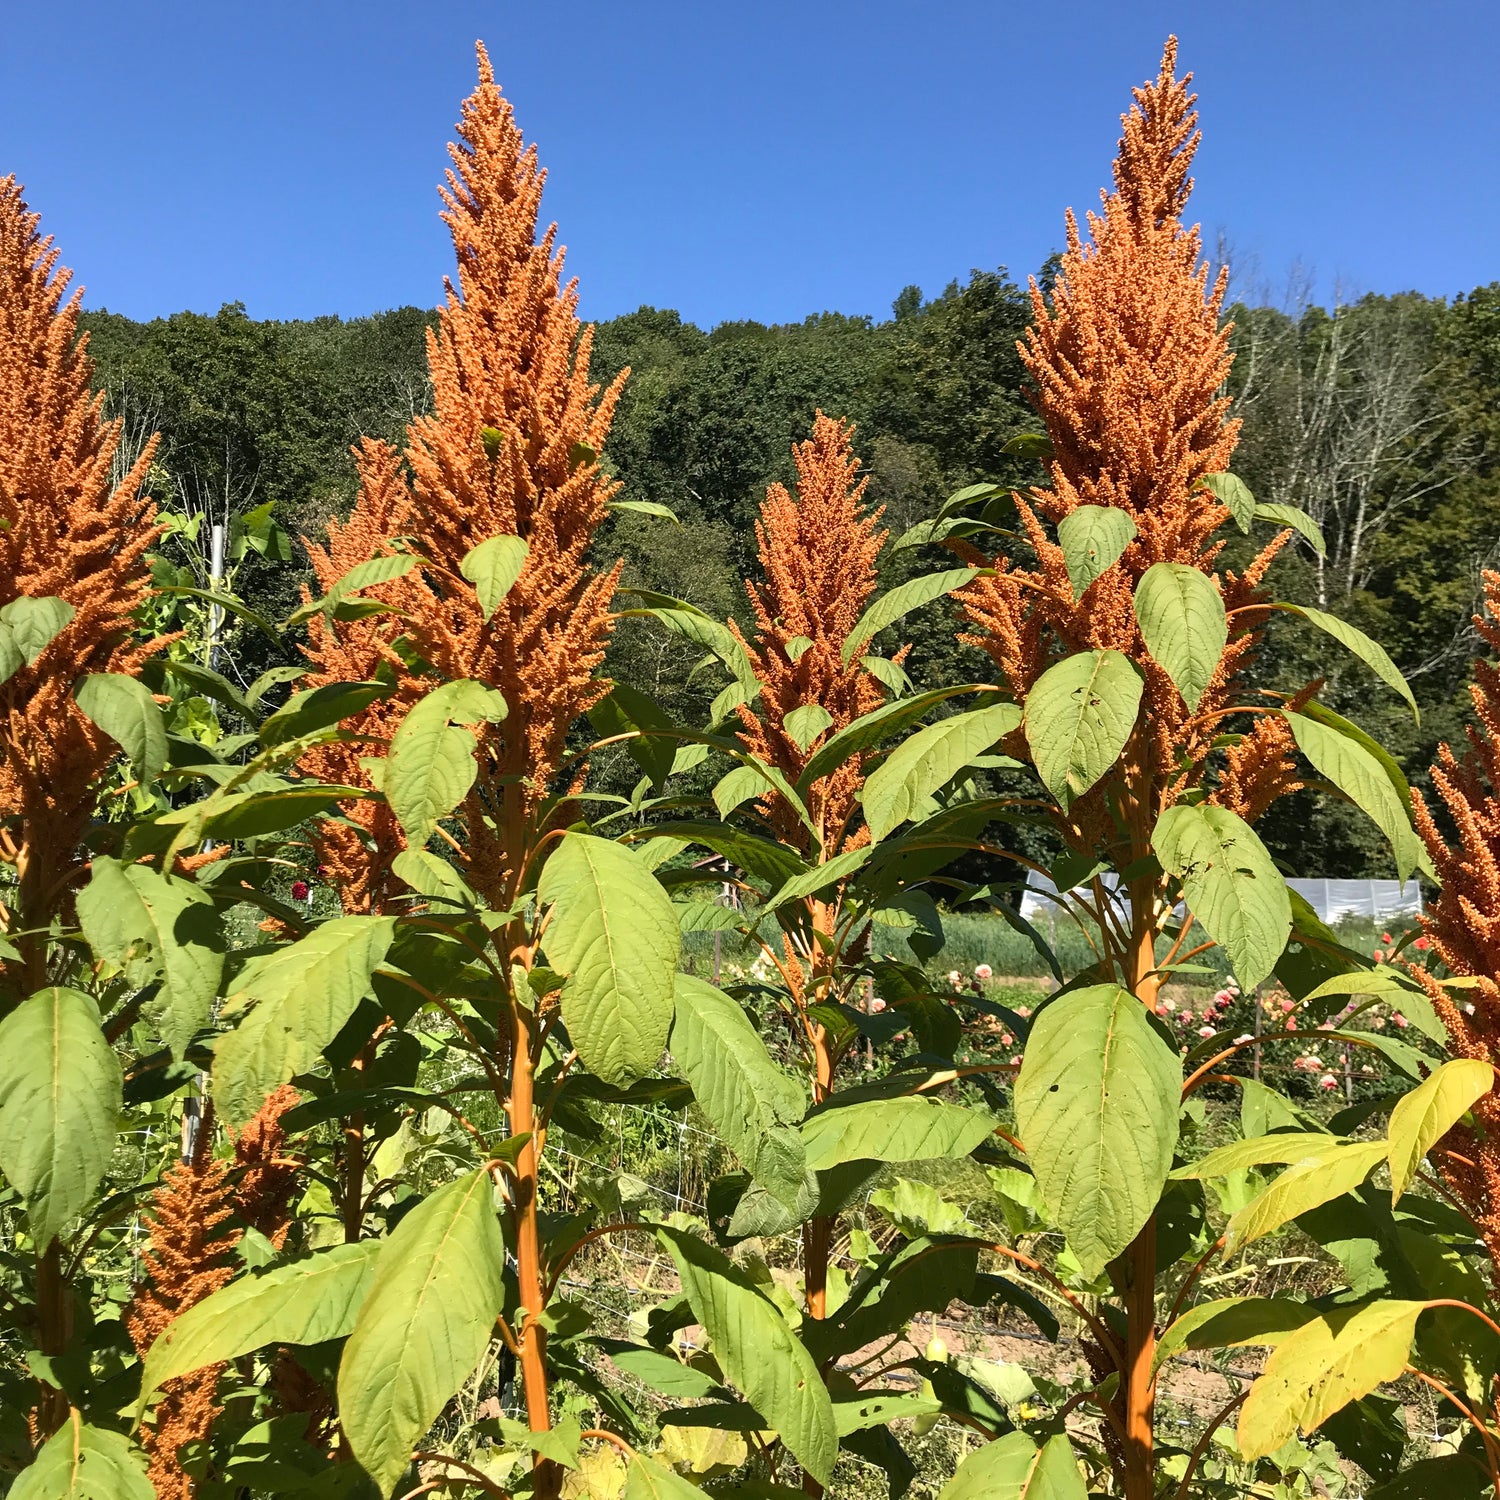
612 931
1097 1104
1079 714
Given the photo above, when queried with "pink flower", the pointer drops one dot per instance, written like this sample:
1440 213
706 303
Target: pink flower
1378 955
1186 1018
1288 1005
1206 1031
1422 944
1223 997
1006 1039
1023 1011
1170 1004
1328 1081
1015 1061
1291 1024
876 1005
983 971
1244 1037
1161 1009
1385 937
955 978
299 890
1401 1020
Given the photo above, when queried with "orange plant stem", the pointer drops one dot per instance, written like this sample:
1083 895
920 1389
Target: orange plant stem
521 1112
1139 1387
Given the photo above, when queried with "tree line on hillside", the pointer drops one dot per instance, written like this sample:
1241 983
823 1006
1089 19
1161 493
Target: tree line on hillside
1380 419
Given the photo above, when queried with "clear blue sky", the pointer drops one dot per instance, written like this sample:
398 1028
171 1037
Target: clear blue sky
760 159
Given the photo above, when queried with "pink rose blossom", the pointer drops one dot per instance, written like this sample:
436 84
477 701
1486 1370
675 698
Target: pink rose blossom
983 971
1206 1031
1328 1081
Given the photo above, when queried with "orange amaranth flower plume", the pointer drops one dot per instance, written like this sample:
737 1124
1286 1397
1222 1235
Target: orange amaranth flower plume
1128 364
818 550
1462 923
191 1256
267 1179
511 449
357 852
67 532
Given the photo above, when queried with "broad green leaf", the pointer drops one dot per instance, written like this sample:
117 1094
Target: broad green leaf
803 725
303 994
434 878
1181 615
612 932
60 1094
1259 1151
899 601
318 708
1424 1116
1323 1366
739 786
820 877
1370 652
307 1302
758 1353
917 1208
1097 1104
1230 884
1298 520
212 685
877 1408
426 1321
1036 445
647 508
798 647
708 916
27 627
1361 778
1232 491
662 1372
361 576
1308 1182
872 729
493 567
749 1099
125 710
1388 984
1093 539
917 767
430 766
1232 1323
157 925
761 858
908 1129
1079 715
79 1462
691 624
1014 1468
245 815
646 1480
889 674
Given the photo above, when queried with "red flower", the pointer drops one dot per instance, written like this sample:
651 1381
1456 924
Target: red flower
299 890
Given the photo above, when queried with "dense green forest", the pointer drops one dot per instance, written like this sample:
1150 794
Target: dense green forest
1381 419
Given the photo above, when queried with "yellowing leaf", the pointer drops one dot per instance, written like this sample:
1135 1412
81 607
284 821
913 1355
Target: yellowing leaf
1326 1364
1424 1116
